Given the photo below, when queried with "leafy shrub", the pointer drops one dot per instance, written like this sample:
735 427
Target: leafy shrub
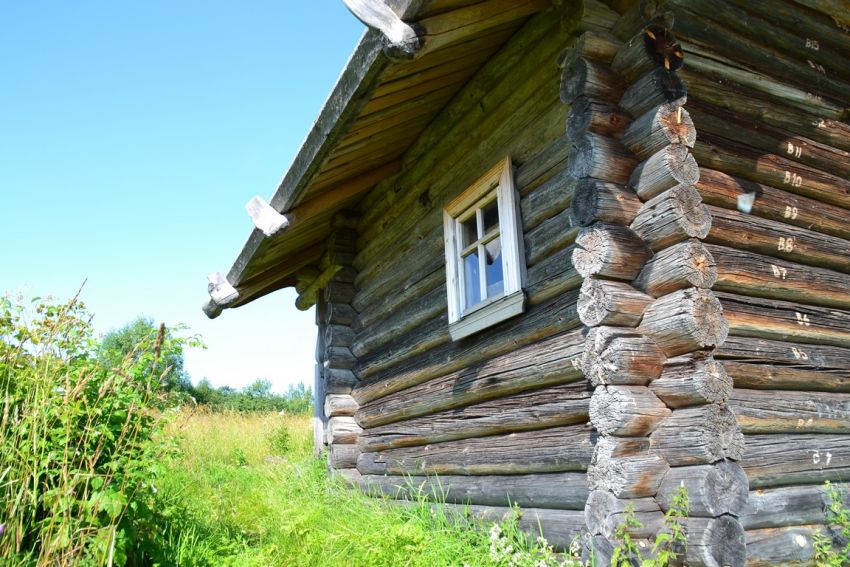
827 553
280 440
256 397
80 441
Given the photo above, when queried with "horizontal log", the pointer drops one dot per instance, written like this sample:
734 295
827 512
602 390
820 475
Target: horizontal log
804 458
602 158
684 321
600 201
714 541
543 242
784 320
603 118
771 169
718 188
776 377
625 467
606 302
669 167
768 411
339 314
746 273
617 355
339 357
823 358
699 435
609 250
713 490
596 45
791 506
692 379
559 449
338 336
605 514
793 545
653 89
658 128
565 491
540 364
340 405
626 411
537 409
342 430
547 200
683 265
338 380
672 217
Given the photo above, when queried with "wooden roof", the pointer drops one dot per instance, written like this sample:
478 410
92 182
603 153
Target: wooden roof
384 98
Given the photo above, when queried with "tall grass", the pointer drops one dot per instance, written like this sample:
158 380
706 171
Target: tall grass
79 442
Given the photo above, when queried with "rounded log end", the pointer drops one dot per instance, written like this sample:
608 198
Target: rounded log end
716 542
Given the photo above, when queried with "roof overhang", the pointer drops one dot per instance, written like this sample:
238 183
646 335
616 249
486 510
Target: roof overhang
414 57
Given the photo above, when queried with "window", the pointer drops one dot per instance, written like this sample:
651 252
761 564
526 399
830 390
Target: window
485 266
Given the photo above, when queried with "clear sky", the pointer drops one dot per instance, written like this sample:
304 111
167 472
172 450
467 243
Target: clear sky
131 136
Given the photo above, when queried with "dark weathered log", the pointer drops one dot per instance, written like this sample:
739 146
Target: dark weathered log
602 158
591 15
609 250
591 79
625 467
604 513
340 314
547 200
553 276
658 128
793 545
791 506
770 169
782 460
685 320
714 542
337 405
379 305
723 91
538 409
683 265
630 411
550 237
545 363
632 60
549 450
606 302
339 292
699 435
671 217
597 201
542 166
566 491
766 411
343 431
713 490
669 167
771 377
595 45
338 336
765 138
718 188
784 320
746 273
649 91
339 357
603 118
338 380
616 355
343 456
692 379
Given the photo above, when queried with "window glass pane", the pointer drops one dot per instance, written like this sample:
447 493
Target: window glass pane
468 232
491 216
471 279
493 263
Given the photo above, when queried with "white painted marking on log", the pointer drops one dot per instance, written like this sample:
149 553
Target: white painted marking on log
779 271
800 540
812 44
785 244
820 123
802 319
799 354
791 212
828 457
745 202
795 151
816 66
792 179
815 457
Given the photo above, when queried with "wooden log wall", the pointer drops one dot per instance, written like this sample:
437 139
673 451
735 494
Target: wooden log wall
501 416
662 400
767 90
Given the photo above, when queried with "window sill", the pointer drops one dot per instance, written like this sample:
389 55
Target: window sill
488 315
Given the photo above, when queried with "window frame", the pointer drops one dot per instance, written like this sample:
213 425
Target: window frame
466 320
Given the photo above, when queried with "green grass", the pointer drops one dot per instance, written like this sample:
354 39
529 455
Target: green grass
234 499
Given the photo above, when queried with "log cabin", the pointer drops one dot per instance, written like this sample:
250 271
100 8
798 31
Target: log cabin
575 254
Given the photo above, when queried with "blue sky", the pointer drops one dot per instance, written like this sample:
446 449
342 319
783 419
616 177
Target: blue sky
131 136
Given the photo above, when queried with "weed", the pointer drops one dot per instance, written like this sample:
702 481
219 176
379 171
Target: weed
668 544
826 553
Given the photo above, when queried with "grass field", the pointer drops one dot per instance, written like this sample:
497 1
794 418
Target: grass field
246 490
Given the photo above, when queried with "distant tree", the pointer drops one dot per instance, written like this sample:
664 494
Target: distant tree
259 389
120 343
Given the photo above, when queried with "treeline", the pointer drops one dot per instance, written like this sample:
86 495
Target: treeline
256 397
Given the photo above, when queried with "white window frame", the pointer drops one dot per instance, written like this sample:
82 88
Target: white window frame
466 320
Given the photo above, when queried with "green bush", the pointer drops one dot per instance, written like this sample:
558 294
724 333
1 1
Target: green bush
81 441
